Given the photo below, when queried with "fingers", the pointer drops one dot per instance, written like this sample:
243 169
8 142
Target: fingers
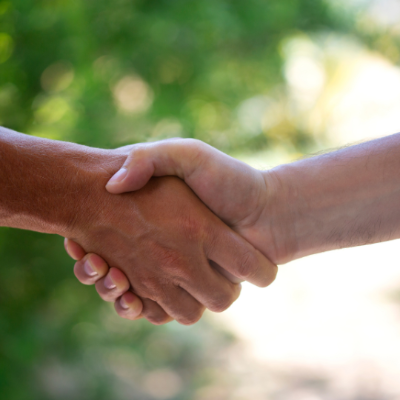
209 288
225 273
90 269
237 256
154 313
113 285
110 283
134 174
129 306
168 157
73 249
181 306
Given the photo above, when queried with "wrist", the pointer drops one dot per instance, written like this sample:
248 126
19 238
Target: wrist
50 186
90 171
277 220
328 202
301 215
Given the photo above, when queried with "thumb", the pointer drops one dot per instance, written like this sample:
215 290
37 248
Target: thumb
147 160
133 175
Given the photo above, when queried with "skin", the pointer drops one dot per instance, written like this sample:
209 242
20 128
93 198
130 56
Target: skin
162 237
346 198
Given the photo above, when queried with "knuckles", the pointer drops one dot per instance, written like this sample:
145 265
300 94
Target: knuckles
195 145
156 317
249 269
191 318
220 302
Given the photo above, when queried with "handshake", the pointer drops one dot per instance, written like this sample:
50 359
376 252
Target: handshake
167 229
190 241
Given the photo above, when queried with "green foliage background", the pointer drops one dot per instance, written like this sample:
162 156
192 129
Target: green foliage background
198 59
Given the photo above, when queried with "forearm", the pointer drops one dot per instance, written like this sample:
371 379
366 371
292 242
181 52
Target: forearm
347 198
45 184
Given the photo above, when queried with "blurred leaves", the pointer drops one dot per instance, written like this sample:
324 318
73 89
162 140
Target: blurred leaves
194 61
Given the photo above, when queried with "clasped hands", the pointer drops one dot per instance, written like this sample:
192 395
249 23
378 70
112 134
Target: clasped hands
196 233
168 229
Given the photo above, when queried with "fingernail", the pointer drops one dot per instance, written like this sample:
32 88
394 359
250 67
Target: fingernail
87 267
118 177
108 283
123 304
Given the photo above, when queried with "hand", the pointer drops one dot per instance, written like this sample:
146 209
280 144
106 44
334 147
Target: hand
111 284
234 191
143 234
341 199
162 237
243 197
